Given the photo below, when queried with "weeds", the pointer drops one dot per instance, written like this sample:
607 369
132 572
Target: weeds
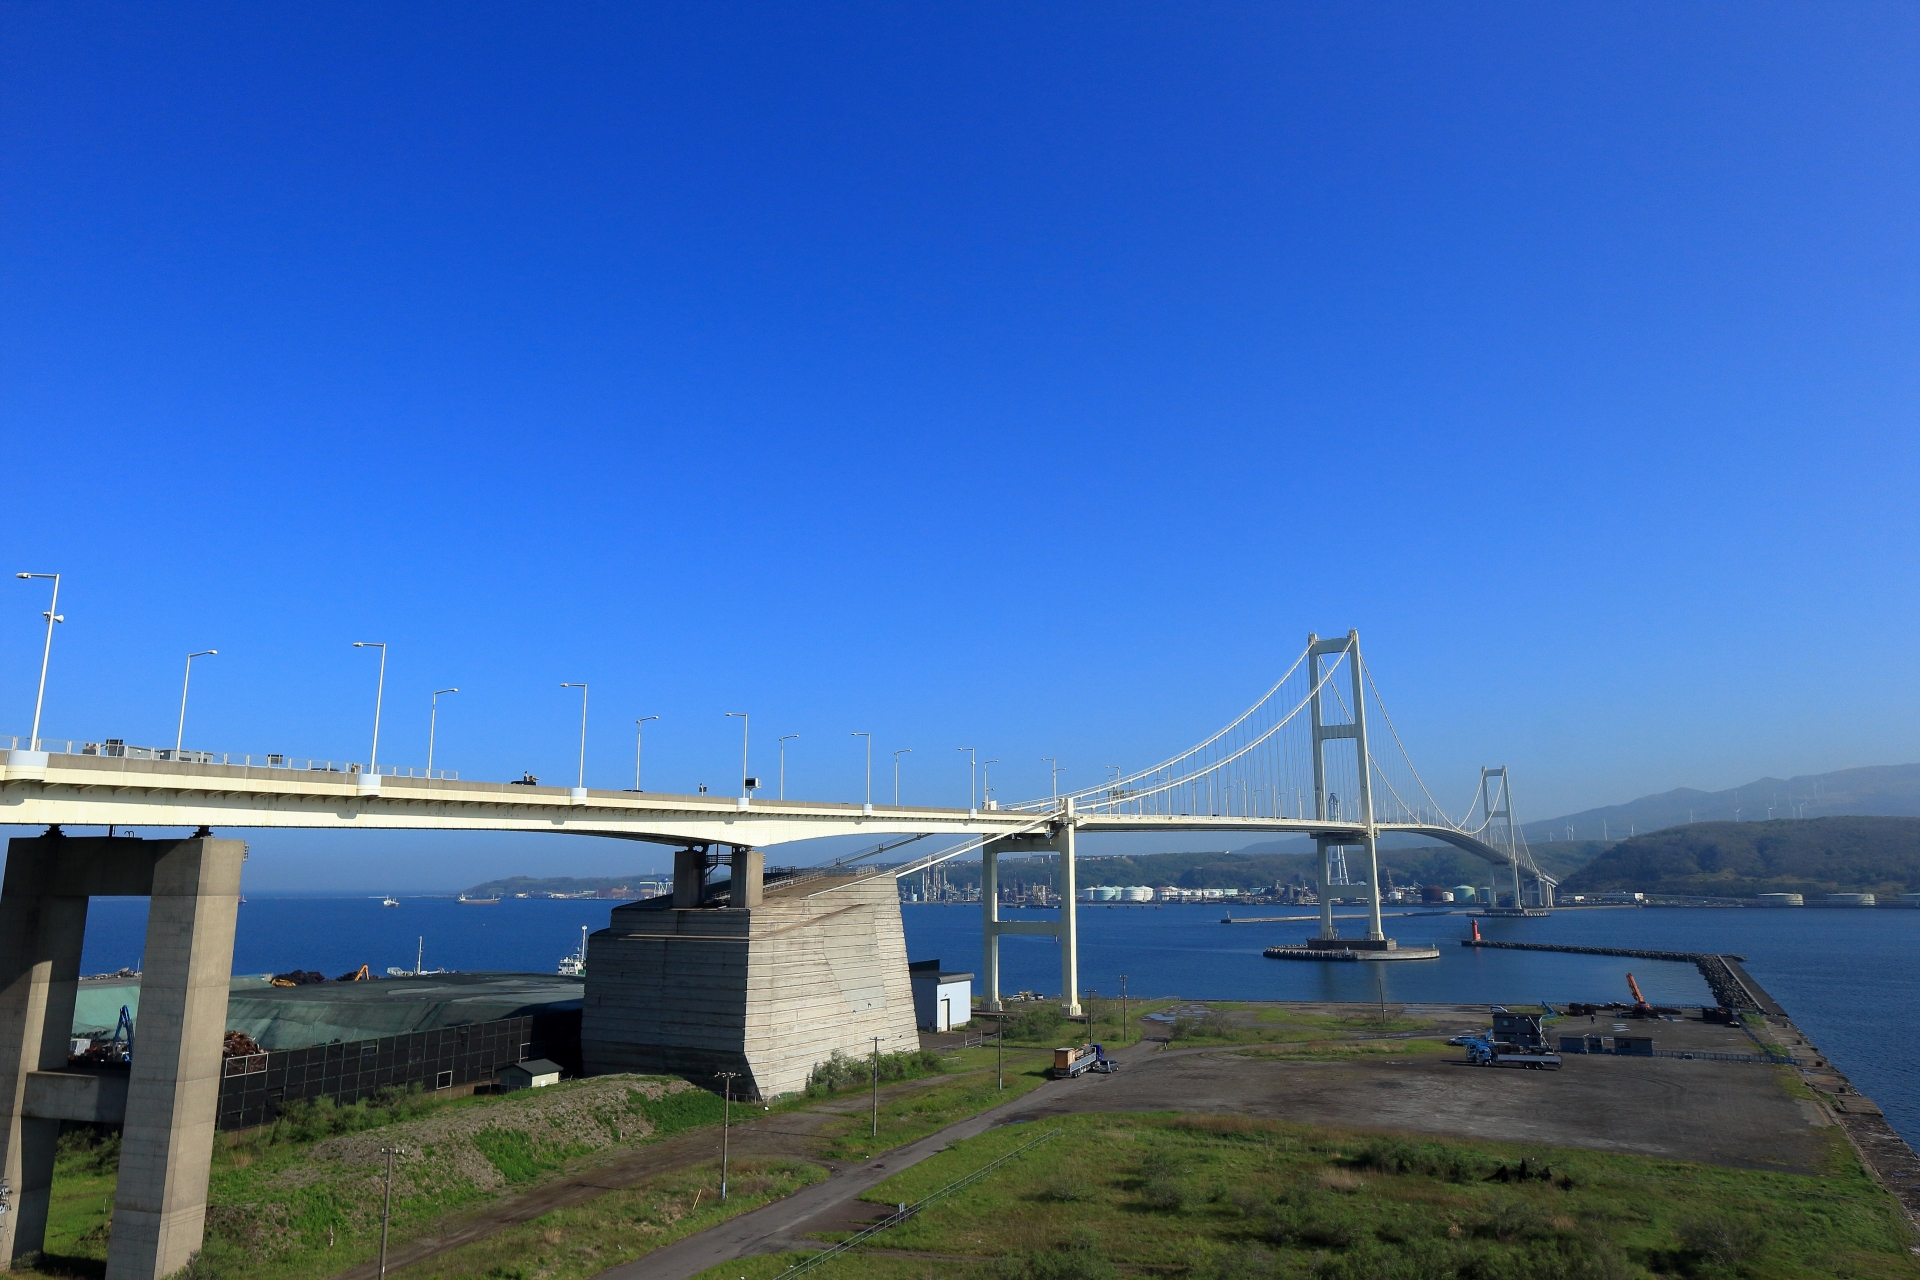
841 1072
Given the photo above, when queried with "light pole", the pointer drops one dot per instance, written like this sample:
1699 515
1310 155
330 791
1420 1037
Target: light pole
904 751
973 777
386 1212
433 727
573 684
52 615
181 736
783 764
986 779
639 746
726 1123
1123 1008
869 737
1056 774
379 692
745 724
876 1086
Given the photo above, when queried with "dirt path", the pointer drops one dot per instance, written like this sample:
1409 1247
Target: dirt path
791 1134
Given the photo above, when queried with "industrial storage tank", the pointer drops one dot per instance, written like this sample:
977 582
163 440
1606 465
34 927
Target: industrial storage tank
1850 900
1787 900
1465 893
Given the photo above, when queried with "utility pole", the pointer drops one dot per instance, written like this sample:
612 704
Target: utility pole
999 1052
1123 1008
386 1212
726 1120
876 1086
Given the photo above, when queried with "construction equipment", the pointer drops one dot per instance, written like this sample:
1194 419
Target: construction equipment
1079 1059
1641 1009
359 975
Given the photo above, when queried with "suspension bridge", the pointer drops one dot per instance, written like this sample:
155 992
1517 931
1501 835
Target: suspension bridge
1300 760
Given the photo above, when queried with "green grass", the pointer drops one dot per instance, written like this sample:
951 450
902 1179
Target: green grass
1232 1198
571 1244
914 1113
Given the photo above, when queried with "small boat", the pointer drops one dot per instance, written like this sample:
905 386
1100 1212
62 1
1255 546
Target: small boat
575 965
389 901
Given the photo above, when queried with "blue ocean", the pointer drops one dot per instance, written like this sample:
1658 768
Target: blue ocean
1845 976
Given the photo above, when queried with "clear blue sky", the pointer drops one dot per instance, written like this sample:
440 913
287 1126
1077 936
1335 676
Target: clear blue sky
1024 377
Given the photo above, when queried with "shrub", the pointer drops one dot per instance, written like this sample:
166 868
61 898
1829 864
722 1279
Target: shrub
1040 1023
1076 1258
1211 1025
841 1072
87 1149
1399 1156
1723 1242
1310 1216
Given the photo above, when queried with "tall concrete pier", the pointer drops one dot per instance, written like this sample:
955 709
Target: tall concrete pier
767 981
172 1094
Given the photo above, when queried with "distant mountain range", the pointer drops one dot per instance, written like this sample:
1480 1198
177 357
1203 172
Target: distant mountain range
1886 790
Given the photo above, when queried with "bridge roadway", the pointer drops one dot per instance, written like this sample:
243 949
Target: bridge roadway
81 791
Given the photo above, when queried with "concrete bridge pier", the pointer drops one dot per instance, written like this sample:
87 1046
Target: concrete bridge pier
1059 839
160 1206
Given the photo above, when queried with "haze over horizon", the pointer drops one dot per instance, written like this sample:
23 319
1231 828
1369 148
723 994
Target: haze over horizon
1025 380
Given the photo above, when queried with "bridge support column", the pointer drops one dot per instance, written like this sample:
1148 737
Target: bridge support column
1375 930
989 922
1069 919
1320 846
173 1095
41 931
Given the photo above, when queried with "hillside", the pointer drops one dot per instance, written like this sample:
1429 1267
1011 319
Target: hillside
611 886
1888 790
1741 859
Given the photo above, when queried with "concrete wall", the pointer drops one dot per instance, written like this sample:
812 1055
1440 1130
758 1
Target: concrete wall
767 991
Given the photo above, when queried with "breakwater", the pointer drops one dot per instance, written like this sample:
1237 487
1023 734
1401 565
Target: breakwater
1728 982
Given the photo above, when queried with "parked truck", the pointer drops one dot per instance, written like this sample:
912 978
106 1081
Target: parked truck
1079 1059
1487 1052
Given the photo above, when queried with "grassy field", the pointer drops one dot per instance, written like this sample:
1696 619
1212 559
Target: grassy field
1230 1198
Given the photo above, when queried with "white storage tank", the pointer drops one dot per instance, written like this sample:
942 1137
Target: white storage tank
1789 900
1465 893
1136 893
1849 899
1104 893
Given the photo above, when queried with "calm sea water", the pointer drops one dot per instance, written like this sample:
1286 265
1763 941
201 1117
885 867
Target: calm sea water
1846 976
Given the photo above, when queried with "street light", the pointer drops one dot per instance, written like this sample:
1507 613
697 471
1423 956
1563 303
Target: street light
574 684
869 737
973 777
386 1213
726 1124
181 735
1056 774
639 745
380 691
783 764
745 724
433 726
904 751
52 616
986 779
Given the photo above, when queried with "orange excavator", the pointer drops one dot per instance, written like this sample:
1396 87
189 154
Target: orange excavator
1641 1009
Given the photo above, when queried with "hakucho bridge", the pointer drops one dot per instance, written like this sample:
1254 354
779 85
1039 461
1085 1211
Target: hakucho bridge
1298 761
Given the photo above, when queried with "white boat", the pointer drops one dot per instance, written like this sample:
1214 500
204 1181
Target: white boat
575 965
390 901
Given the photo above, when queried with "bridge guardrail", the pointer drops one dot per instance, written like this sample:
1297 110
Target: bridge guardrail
115 748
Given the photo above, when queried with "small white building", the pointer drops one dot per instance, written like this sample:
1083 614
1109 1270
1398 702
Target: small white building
1783 900
533 1073
942 998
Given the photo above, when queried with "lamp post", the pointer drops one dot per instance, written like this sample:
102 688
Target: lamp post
986 779
904 751
386 1212
973 777
575 684
783 764
1056 774
726 1124
433 727
745 724
180 736
379 692
52 615
639 746
869 737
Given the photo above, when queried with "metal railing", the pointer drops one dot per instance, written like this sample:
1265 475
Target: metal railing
906 1211
115 748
